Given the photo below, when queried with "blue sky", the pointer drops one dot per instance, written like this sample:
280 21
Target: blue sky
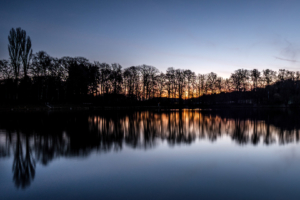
204 36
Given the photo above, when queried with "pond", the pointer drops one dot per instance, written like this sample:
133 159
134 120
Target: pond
157 154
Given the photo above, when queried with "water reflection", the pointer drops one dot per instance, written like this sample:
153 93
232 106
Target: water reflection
23 165
42 137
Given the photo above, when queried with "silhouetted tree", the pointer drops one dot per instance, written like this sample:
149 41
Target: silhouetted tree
105 71
180 78
211 82
240 79
161 79
170 82
78 78
26 52
116 78
15 49
255 76
6 72
269 76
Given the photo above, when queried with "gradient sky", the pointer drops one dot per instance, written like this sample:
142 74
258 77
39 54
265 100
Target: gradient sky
204 36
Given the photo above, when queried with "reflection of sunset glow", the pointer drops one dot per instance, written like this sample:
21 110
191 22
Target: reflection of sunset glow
189 125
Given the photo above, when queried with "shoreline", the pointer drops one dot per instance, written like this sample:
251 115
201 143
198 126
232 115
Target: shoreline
76 107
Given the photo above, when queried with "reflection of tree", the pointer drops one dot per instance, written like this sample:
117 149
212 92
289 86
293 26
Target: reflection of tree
28 164
18 162
47 147
23 167
149 129
42 137
240 131
268 138
255 136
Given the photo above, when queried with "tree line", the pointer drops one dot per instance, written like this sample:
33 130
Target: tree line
38 77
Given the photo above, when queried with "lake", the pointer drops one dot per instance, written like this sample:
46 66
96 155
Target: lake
157 154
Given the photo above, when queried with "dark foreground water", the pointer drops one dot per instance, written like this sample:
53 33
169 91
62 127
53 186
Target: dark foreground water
189 154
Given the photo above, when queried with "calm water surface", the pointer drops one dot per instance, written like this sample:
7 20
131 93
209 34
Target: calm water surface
188 154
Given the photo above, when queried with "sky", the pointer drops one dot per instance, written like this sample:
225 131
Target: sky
205 36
